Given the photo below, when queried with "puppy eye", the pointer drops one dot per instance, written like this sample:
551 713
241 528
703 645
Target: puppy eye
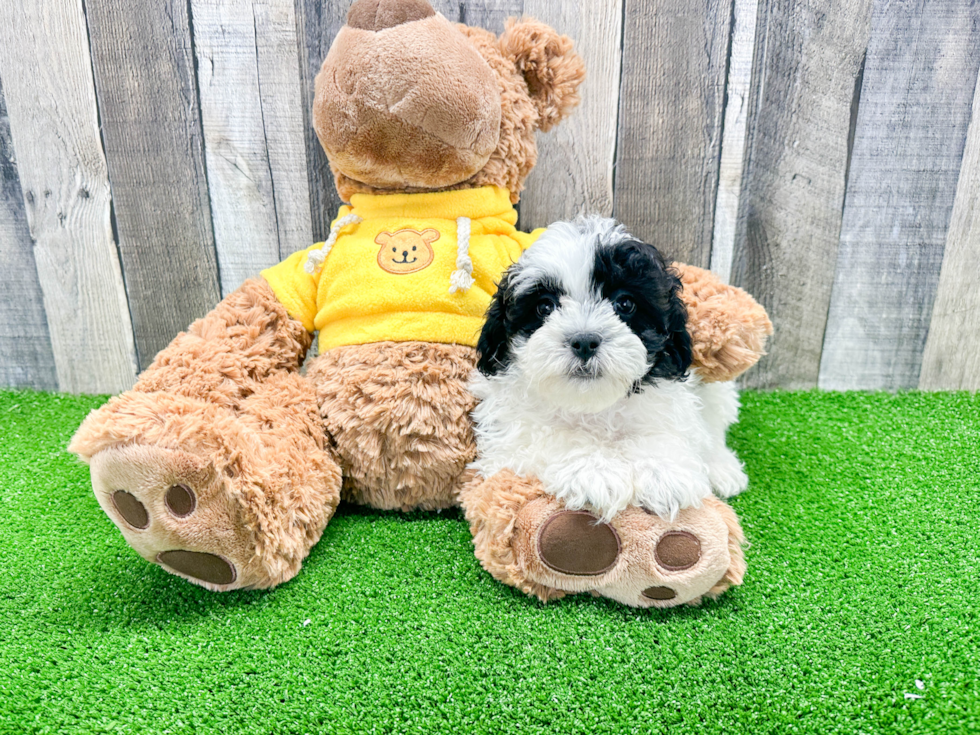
624 306
545 307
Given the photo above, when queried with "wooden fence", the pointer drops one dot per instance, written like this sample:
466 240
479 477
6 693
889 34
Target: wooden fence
154 153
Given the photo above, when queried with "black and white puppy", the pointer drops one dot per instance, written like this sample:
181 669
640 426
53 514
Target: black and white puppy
584 379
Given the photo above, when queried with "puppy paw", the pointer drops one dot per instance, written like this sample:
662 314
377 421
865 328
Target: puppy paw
666 490
727 475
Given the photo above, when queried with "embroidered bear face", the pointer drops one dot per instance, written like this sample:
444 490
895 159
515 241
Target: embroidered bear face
406 251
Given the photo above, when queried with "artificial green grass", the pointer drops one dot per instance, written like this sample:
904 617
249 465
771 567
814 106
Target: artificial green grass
864 573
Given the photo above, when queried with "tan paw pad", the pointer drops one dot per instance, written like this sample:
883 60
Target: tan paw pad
575 542
659 593
180 500
209 568
131 509
677 550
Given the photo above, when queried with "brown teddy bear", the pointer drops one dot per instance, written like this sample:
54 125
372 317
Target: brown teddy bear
224 464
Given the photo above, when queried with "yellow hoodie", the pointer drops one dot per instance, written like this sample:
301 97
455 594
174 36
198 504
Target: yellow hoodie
404 267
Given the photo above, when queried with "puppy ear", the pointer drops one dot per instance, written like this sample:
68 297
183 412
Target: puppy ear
429 235
676 355
549 65
493 346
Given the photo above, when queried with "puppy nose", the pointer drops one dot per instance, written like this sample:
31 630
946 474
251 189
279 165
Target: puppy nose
585 345
376 15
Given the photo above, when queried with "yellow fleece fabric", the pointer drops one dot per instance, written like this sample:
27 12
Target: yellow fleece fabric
367 291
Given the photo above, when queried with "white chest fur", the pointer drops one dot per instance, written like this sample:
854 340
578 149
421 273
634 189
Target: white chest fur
652 448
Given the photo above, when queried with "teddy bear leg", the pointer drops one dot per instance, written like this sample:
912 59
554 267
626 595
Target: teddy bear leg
529 540
214 465
225 500
398 415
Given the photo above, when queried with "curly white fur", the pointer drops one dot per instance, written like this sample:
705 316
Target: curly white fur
592 440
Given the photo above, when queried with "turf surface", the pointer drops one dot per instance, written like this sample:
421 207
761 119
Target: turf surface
859 611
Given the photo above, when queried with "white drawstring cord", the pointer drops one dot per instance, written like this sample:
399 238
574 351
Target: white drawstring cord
315 258
462 277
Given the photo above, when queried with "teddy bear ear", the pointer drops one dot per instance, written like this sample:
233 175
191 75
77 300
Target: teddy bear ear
549 65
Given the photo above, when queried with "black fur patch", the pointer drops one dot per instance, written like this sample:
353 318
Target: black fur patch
638 270
510 316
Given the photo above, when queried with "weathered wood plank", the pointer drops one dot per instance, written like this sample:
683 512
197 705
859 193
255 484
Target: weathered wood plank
807 63
574 174
493 14
26 359
144 72
248 76
952 354
46 69
675 53
281 90
737 88
908 145
317 23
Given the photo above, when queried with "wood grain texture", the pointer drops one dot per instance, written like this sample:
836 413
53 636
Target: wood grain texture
317 22
248 76
807 62
908 145
737 88
26 359
493 14
46 70
144 71
951 360
574 174
675 54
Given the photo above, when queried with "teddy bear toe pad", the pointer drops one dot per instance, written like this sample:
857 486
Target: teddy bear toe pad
171 508
576 542
206 567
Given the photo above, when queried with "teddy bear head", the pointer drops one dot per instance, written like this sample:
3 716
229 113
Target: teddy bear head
407 101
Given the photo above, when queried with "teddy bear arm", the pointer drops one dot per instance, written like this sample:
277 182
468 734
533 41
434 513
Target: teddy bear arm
728 327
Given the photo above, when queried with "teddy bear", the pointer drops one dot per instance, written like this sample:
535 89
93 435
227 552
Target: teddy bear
224 463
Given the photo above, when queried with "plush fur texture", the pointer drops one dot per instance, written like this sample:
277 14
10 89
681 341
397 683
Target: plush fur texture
584 383
506 513
398 417
225 356
728 327
264 481
392 114
469 125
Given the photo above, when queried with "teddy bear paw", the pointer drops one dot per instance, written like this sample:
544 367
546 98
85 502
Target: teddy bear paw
173 509
637 559
225 499
528 539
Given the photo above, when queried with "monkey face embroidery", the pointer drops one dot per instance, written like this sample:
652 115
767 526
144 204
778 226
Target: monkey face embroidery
406 251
